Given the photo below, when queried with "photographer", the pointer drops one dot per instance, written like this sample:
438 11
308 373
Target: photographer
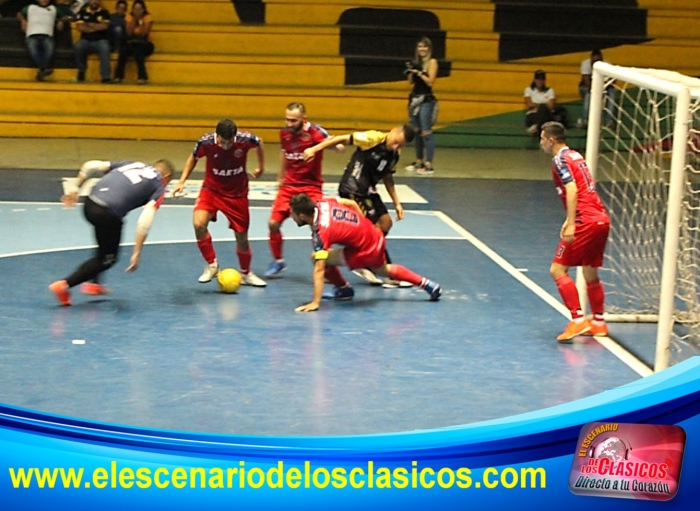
422 105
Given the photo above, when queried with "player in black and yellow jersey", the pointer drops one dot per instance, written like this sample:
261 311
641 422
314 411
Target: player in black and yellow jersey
373 161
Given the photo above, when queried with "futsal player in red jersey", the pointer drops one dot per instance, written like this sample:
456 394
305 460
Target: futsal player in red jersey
583 234
340 222
225 189
295 175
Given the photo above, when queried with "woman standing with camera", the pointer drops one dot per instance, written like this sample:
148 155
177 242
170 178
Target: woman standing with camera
422 105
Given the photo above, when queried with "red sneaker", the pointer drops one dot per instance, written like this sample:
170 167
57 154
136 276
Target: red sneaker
61 290
92 288
574 329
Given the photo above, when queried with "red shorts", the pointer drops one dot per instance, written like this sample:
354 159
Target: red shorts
374 257
234 209
587 248
280 208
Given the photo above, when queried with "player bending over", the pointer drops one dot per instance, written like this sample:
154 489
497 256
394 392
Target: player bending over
124 187
341 222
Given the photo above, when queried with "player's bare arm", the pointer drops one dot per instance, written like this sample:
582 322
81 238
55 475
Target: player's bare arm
143 226
318 278
283 169
190 164
569 227
329 142
260 154
391 190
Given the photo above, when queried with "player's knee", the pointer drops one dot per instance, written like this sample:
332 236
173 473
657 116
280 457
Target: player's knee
557 271
200 229
385 224
274 226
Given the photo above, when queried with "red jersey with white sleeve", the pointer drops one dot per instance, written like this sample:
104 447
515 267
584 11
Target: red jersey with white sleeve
569 166
336 224
297 171
226 168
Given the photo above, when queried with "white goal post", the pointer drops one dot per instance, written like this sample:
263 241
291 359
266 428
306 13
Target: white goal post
643 148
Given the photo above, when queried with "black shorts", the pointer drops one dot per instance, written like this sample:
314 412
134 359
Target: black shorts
372 206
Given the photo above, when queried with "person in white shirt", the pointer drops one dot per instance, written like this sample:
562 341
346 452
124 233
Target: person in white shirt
584 88
539 103
38 23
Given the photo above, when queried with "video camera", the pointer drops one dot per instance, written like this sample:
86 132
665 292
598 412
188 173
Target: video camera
412 66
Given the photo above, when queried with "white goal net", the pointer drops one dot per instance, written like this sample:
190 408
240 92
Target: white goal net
644 149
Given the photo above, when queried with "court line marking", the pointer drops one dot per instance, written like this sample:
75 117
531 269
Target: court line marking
215 239
621 353
188 205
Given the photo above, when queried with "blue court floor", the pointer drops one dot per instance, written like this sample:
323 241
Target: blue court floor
164 351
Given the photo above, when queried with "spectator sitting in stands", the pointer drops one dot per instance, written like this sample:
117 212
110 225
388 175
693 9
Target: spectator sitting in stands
584 88
38 23
92 21
540 105
117 26
65 10
138 27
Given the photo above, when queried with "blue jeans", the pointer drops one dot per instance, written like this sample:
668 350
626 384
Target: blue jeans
423 122
101 47
41 48
609 102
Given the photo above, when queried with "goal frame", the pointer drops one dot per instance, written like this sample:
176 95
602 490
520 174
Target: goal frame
682 93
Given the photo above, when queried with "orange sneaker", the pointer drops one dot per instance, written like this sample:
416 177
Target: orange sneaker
93 288
61 290
574 329
598 329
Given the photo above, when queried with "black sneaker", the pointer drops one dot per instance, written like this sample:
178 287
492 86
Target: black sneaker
106 80
81 76
433 289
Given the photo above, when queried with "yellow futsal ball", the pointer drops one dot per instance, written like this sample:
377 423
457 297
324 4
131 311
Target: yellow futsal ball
229 280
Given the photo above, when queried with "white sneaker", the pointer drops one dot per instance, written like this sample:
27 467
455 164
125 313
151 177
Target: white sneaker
413 167
211 271
393 284
368 275
426 170
251 279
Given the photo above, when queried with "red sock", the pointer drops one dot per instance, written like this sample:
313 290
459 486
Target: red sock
596 297
334 276
244 259
276 244
569 293
206 247
398 272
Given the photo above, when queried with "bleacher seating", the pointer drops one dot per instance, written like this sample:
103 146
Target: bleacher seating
344 59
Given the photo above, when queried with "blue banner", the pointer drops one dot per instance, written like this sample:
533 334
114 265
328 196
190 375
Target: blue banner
522 462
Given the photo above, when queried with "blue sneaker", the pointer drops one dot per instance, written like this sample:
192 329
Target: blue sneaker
275 268
339 293
433 289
